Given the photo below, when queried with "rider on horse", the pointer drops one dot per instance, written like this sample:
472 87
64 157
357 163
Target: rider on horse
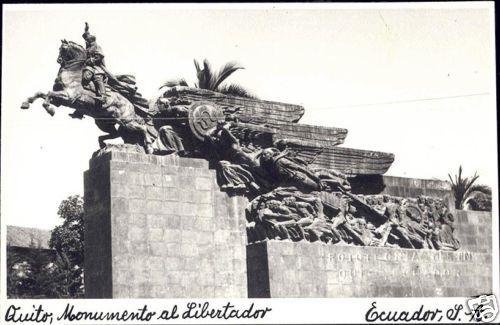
94 70
82 79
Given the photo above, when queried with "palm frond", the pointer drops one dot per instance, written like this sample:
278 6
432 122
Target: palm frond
462 187
197 66
209 79
227 70
481 188
208 75
200 75
236 90
469 184
175 82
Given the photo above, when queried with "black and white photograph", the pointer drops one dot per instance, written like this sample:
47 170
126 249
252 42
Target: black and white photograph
199 162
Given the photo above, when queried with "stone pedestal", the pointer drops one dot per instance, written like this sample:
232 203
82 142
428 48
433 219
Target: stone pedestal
281 269
158 227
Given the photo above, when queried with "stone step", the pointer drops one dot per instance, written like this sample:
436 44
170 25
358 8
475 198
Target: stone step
246 109
319 136
354 162
281 121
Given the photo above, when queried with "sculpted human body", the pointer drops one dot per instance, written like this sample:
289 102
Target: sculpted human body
239 169
294 172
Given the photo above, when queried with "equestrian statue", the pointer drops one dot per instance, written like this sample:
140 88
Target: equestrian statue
84 83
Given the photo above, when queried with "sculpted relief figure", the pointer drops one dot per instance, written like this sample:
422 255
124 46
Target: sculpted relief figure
346 221
291 205
170 118
239 169
170 141
263 168
294 172
286 214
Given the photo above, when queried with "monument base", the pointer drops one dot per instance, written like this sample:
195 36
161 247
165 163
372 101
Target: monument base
158 227
280 269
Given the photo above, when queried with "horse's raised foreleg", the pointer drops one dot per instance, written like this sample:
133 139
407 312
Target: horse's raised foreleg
37 95
30 100
62 95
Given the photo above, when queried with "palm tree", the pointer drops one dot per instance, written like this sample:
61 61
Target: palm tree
212 80
462 187
479 198
209 78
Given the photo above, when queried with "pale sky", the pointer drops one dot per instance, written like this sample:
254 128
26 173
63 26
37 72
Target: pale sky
365 70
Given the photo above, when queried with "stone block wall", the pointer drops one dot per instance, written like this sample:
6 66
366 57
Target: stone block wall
158 227
97 230
353 162
280 269
403 187
320 136
474 230
412 187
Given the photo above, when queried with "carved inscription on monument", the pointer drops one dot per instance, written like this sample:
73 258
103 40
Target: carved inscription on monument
343 267
401 256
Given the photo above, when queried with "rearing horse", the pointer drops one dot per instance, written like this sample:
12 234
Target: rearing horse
68 91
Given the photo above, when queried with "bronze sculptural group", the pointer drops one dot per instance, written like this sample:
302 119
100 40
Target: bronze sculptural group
373 220
292 198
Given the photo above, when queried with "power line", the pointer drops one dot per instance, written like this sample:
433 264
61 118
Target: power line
323 108
407 101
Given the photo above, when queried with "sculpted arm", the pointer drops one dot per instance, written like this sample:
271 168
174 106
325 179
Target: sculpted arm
226 133
306 171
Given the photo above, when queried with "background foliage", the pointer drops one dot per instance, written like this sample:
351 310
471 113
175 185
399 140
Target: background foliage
469 195
54 273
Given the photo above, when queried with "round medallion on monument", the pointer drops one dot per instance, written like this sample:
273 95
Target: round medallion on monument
203 118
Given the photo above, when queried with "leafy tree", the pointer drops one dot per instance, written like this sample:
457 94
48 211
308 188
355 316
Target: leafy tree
461 187
67 241
41 273
29 273
19 274
210 79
